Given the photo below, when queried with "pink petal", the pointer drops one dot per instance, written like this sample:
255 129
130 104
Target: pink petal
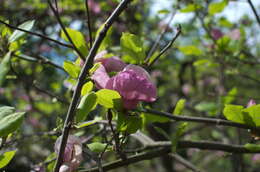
234 34
112 64
216 33
100 77
251 103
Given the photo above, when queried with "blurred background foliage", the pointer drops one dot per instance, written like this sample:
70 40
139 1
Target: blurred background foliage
214 62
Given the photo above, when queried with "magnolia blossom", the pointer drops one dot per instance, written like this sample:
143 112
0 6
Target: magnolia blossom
72 155
132 82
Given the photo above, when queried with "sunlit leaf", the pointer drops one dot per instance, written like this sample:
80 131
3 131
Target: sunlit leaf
97 147
190 50
17 33
72 69
234 113
217 7
179 107
109 98
87 87
6 158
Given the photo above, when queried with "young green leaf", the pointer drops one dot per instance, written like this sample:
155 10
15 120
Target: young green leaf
149 118
179 107
77 38
217 7
254 113
252 147
129 124
190 8
72 69
190 50
97 147
181 128
86 105
17 33
6 158
4 67
132 48
87 87
109 98
234 113
10 123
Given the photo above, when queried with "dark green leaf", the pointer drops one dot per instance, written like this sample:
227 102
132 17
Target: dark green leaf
128 123
181 128
5 67
148 118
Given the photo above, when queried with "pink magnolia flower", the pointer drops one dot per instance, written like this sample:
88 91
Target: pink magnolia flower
72 155
132 82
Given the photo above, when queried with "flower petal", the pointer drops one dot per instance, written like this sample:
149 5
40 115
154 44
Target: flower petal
100 77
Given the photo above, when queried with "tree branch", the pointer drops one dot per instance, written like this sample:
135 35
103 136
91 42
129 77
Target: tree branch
57 15
36 34
254 11
166 47
88 23
87 65
198 119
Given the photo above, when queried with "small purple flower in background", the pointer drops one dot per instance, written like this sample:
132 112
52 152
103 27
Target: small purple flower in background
216 33
132 82
256 158
251 103
72 155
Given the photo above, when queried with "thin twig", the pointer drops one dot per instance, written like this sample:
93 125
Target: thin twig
254 11
198 119
39 59
130 160
184 162
88 64
88 23
155 45
36 34
57 15
166 47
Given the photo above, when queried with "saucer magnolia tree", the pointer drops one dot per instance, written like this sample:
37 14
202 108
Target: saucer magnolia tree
127 85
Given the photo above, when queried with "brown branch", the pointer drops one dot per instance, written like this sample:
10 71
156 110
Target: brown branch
36 34
254 11
88 23
213 121
88 64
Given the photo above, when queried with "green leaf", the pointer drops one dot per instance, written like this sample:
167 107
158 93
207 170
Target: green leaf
190 8
252 147
87 87
209 107
86 105
148 118
128 123
217 7
6 158
181 128
179 107
17 34
132 48
109 98
77 38
10 123
164 11
72 69
190 50
88 123
4 67
230 97
6 110
97 147
254 113
162 132
94 68
234 113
